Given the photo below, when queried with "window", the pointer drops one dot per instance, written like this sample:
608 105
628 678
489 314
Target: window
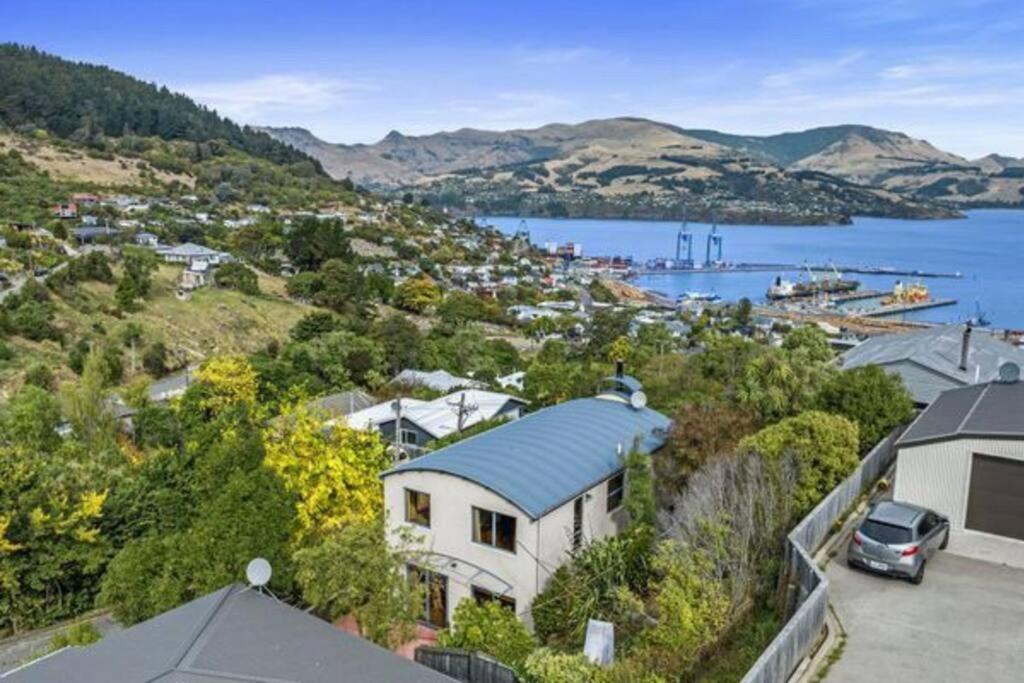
409 437
417 507
577 523
616 489
494 529
890 534
482 596
435 598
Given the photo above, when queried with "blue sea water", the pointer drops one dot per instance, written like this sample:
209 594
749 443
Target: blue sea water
987 248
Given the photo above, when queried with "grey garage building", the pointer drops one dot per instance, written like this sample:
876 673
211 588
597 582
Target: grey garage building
964 457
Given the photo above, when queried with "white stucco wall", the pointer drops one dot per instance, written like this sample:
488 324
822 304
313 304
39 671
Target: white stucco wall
541 545
938 476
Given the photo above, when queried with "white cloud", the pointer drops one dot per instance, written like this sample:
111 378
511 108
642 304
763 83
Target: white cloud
556 55
257 99
950 68
812 70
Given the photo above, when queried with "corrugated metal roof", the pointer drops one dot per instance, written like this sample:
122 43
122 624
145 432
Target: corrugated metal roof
439 417
937 350
990 410
232 634
544 459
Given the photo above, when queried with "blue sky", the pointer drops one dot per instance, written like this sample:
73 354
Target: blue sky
950 71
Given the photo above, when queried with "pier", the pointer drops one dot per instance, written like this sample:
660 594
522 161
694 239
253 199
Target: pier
726 268
896 309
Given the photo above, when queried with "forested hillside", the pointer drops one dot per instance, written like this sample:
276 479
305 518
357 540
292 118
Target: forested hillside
86 102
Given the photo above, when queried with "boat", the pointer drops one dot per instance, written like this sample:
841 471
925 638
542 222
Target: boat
787 289
979 319
914 293
698 296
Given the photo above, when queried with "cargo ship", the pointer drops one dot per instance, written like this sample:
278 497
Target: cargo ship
915 293
785 289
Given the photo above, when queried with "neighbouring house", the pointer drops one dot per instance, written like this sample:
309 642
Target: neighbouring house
438 380
85 199
936 359
234 634
342 403
64 211
411 423
196 275
147 239
512 381
93 233
497 513
172 386
190 253
964 458
524 313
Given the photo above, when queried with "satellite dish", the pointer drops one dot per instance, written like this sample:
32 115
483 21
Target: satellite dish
638 400
258 572
1009 373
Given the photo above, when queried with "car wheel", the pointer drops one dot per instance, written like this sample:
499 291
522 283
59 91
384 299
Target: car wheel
917 578
945 540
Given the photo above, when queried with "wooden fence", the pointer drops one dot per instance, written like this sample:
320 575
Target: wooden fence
469 667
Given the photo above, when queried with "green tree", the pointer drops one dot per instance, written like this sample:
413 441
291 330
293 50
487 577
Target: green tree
154 359
825 447
417 294
810 339
459 308
237 276
401 341
876 401
354 571
639 499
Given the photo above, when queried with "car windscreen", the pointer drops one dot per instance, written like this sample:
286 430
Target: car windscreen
889 534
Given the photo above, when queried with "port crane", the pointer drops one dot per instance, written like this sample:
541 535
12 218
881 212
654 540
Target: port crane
522 232
684 236
714 241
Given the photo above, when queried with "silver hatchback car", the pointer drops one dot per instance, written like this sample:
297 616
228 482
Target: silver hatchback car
898 539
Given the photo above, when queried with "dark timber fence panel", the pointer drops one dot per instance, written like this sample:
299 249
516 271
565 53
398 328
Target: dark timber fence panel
798 635
469 667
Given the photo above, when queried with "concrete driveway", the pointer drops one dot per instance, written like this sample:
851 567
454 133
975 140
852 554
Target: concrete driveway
965 622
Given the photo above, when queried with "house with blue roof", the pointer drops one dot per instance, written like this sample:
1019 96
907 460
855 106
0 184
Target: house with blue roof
496 514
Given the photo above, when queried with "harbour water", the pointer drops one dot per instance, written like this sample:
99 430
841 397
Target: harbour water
987 248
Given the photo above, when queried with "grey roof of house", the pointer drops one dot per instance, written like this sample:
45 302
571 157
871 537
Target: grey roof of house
540 461
937 350
176 383
438 380
235 633
344 402
984 411
191 249
94 231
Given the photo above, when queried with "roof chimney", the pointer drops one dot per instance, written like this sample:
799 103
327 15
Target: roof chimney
620 368
965 347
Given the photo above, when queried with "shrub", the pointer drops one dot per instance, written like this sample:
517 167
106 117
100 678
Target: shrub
237 276
825 447
492 629
876 401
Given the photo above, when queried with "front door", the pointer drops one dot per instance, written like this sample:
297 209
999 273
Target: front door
435 598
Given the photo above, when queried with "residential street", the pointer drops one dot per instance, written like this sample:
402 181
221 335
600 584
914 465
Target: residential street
964 623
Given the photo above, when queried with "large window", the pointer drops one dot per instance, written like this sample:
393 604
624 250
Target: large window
616 489
417 507
435 594
494 529
482 596
409 437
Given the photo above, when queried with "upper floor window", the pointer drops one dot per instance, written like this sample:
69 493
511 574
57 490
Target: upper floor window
494 529
616 490
417 507
409 437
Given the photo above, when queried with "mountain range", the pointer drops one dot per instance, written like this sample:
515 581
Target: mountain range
638 168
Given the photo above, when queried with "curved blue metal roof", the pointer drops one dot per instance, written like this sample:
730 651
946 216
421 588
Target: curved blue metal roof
540 461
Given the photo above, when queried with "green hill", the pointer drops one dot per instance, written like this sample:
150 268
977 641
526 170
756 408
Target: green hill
86 103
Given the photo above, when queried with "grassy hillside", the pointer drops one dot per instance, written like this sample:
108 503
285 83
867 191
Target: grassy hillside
214 321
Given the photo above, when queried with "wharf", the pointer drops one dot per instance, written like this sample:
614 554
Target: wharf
896 309
856 296
726 268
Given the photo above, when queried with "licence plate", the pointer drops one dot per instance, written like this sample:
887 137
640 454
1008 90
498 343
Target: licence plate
880 566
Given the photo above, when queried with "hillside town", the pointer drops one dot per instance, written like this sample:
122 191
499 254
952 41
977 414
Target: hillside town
612 401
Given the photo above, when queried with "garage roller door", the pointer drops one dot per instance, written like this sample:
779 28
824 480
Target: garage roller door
995 503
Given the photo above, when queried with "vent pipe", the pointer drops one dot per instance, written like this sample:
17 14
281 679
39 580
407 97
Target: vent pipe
965 348
620 368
